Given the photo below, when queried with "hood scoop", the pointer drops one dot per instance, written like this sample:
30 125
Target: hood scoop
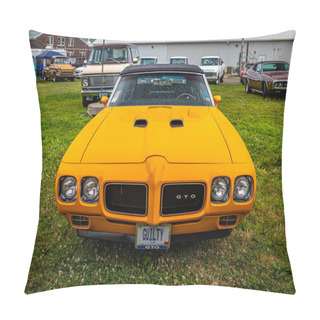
141 123
176 123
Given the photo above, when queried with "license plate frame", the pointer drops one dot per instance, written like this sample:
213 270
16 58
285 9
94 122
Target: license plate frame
152 237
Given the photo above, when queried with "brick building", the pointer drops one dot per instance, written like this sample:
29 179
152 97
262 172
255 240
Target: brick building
77 49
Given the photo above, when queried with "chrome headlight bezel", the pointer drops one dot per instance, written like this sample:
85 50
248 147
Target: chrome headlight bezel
85 188
248 194
221 180
63 188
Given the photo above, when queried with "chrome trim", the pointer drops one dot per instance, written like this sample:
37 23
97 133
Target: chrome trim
182 183
125 213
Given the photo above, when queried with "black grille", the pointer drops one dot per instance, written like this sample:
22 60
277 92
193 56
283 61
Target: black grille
79 221
228 221
182 198
126 198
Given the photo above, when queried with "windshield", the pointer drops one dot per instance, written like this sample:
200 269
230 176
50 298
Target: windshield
148 61
209 62
61 60
110 55
174 89
178 61
248 65
279 66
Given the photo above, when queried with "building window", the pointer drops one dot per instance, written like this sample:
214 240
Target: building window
50 40
82 53
70 54
71 42
61 41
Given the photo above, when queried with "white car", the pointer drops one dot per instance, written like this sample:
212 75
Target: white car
178 60
149 60
78 71
213 68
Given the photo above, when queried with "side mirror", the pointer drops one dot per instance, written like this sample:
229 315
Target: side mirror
135 60
104 100
217 100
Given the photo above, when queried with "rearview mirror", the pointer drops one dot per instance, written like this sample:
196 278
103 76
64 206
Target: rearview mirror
104 100
135 60
217 100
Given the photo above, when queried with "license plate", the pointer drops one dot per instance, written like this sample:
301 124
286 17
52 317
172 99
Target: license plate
153 237
102 94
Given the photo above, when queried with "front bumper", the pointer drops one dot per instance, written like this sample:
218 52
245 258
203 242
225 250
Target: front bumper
95 91
174 239
204 220
65 76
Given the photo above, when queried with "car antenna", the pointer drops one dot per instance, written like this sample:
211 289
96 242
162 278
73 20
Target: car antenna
102 57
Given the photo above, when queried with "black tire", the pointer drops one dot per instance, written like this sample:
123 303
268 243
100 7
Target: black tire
54 77
85 102
72 79
248 89
264 90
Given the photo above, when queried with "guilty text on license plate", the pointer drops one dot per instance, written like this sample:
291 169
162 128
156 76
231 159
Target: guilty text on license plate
153 237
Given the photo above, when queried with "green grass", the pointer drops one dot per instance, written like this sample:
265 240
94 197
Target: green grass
253 257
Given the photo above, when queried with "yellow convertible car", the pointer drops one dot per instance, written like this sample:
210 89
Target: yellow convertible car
160 163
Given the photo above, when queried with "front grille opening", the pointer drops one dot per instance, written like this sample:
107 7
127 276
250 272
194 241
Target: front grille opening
79 221
141 123
176 123
182 198
227 221
126 198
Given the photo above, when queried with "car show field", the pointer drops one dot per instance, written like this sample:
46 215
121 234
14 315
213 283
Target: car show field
254 255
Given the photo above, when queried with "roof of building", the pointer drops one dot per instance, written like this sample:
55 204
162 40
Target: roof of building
162 68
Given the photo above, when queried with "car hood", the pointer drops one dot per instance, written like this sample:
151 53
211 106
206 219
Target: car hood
64 66
277 75
115 68
210 68
117 140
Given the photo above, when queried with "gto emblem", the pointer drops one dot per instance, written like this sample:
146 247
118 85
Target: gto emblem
185 196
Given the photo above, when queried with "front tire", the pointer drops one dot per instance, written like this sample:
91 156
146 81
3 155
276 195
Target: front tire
264 90
54 77
248 89
85 102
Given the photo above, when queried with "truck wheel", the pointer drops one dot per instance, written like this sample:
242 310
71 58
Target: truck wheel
222 78
54 77
85 102
71 79
248 89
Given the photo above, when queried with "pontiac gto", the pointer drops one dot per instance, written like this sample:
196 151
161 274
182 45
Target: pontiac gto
160 162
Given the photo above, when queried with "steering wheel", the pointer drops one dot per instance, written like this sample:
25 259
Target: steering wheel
185 94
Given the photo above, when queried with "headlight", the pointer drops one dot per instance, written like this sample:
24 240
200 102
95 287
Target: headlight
68 189
220 189
85 82
59 70
243 188
90 189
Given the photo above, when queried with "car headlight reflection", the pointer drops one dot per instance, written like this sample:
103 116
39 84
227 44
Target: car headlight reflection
243 188
220 189
90 189
68 189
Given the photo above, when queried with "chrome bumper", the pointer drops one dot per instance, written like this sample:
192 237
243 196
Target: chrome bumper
129 238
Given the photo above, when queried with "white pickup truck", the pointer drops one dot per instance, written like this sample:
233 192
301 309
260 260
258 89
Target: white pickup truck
213 68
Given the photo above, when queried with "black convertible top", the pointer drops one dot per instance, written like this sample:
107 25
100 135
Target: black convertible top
162 68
